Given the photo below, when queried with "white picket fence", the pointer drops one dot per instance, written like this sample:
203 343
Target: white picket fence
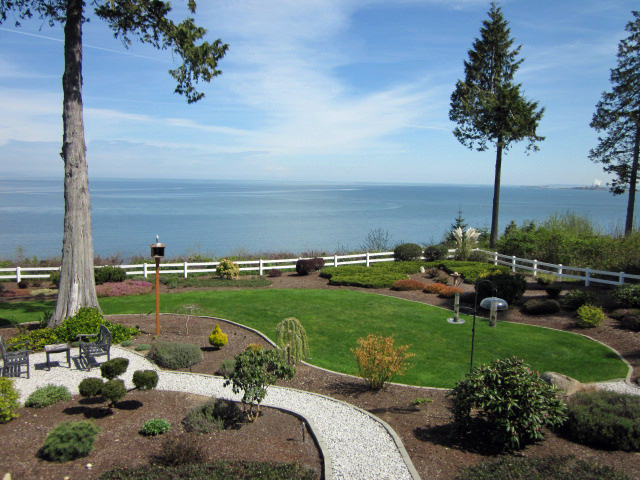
561 271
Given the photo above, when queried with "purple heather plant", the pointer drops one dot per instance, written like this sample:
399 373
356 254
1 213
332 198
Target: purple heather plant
119 289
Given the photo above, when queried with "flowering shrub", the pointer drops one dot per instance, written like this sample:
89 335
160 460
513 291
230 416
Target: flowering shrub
227 269
407 284
128 287
378 360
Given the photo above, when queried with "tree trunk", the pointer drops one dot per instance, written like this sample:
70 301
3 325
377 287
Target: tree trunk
77 284
496 197
633 179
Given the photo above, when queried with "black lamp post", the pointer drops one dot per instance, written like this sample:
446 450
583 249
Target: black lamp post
157 252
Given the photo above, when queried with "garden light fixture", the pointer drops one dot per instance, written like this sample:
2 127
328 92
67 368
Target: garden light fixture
157 252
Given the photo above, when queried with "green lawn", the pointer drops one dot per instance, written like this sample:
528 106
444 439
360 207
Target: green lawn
335 319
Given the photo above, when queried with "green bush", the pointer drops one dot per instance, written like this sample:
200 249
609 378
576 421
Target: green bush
605 419
433 253
627 296
47 395
546 279
88 321
126 343
508 286
114 368
213 415
68 441
590 316
9 403
155 426
471 271
142 347
91 387
511 403
576 298
553 290
37 339
114 390
526 468
541 306
406 252
631 321
145 379
174 355
109 274
54 278
226 367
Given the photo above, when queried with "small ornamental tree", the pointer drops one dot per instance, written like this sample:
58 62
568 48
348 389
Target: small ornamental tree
254 371
509 402
227 269
292 340
379 361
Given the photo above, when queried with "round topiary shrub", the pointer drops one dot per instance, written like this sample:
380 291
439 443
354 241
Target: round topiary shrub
213 415
175 355
408 284
590 316
218 339
91 387
114 390
553 290
114 368
47 395
631 321
576 298
155 426
508 286
145 379
541 306
433 253
406 252
608 420
9 403
68 441
508 402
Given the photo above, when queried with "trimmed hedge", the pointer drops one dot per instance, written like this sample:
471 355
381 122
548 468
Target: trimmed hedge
175 355
541 306
407 252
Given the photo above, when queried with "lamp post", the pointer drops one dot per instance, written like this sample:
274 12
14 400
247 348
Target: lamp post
157 252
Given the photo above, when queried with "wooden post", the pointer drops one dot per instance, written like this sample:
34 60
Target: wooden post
157 296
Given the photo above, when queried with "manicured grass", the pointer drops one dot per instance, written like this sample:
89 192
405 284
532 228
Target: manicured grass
29 311
335 319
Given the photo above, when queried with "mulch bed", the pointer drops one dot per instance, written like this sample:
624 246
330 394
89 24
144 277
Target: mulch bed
425 430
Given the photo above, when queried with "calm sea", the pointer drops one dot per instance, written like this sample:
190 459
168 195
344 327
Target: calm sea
218 218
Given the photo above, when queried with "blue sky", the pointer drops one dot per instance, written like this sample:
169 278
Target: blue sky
322 90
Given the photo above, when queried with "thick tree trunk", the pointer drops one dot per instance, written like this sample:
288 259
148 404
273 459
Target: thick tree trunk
496 197
633 180
77 285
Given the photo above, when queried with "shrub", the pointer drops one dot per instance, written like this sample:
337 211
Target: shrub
511 403
142 347
217 338
114 368
576 298
379 361
54 278
631 321
47 395
88 321
174 355
23 284
213 415
291 338
253 346
526 468
605 419
145 379
155 426
227 269
590 316
546 279
126 343
541 306
128 287
9 403
306 266
449 291
434 288
113 390
407 284
433 253
508 286
91 387
68 441
627 296
440 278
176 450
37 339
274 273
226 367
407 252
109 274
553 290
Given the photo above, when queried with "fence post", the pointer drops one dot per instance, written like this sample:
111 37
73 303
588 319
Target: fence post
621 281
513 264
260 267
18 278
495 258
587 277
560 271
368 259
186 270
335 260
144 270
535 268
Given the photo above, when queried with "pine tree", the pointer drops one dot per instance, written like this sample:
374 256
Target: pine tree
148 21
618 115
488 106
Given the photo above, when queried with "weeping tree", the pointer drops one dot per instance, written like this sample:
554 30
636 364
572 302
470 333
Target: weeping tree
488 107
291 338
618 116
149 22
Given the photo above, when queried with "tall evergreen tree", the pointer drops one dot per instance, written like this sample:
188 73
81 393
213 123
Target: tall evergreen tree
149 21
488 106
618 115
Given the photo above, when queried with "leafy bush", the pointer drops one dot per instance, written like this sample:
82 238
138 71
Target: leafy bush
226 366
553 290
176 451
306 266
576 298
145 379
142 347
631 321
379 361
227 269
109 274
441 278
274 273
68 441
88 321
541 306
511 403
114 368
23 284
526 468
291 338
406 252
213 415
128 287
155 426
9 403
546 279
114 390
54 278
590 316
627 296
217 338
174 355
433 253
37 339
407 284
605 419
126 343
91 387
47 395
507 286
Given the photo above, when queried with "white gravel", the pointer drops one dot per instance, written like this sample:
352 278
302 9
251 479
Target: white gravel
357 445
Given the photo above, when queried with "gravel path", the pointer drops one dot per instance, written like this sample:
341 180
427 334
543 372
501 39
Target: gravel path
356 444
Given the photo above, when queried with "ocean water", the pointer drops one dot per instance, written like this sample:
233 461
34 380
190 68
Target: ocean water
217 218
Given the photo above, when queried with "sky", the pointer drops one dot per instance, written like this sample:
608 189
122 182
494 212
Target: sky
313 90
